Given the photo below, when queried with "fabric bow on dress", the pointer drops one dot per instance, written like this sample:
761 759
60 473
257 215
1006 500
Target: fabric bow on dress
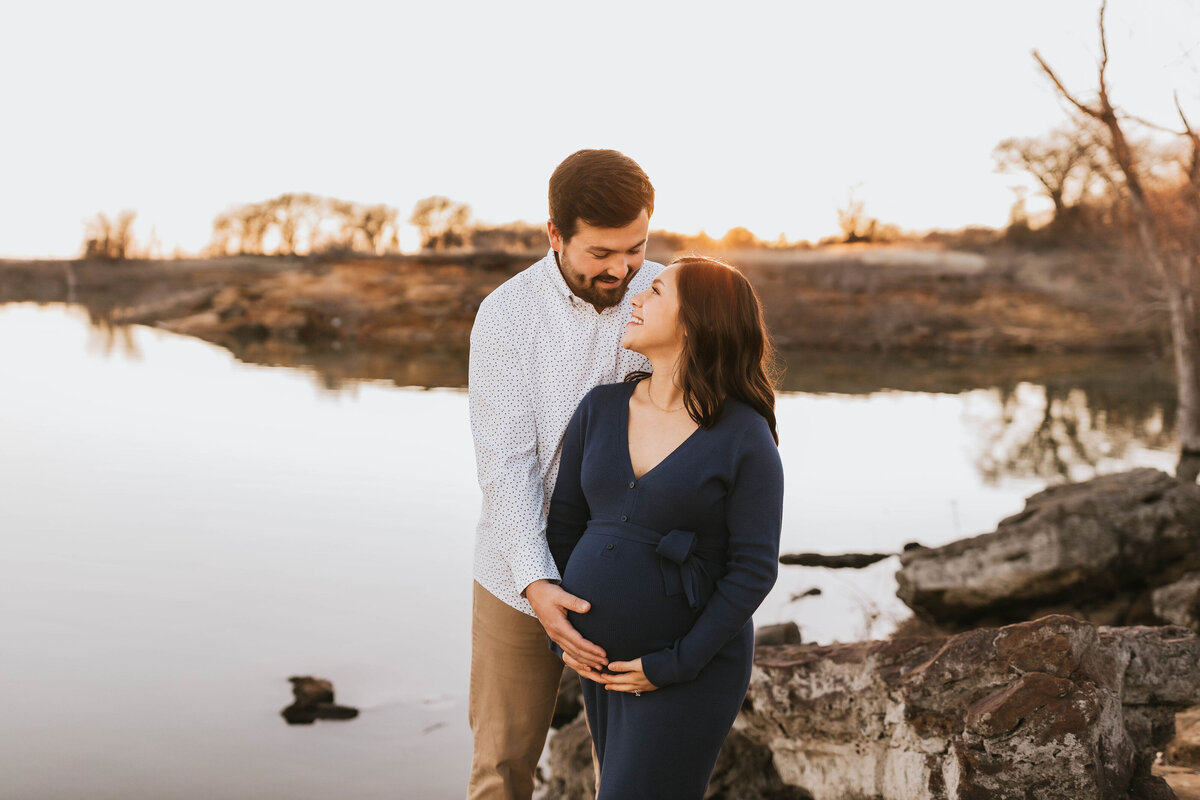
683 568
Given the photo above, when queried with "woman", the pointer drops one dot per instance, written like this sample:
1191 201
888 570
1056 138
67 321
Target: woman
665 517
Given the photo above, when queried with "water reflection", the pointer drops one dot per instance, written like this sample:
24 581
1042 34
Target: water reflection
181 532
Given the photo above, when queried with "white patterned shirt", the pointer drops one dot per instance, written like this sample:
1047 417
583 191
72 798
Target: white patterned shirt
536 350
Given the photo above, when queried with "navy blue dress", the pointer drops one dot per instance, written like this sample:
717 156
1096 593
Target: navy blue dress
674 564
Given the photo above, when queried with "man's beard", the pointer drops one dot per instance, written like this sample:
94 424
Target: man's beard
599 294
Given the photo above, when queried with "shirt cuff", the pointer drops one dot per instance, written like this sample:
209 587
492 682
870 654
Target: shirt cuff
526 574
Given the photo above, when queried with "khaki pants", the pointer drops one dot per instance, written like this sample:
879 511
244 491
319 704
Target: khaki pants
514 684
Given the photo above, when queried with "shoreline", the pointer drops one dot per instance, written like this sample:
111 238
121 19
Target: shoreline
882 299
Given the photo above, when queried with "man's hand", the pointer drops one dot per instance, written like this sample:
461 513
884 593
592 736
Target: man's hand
594 675
551 604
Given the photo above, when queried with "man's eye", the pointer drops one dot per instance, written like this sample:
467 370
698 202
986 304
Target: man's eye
635 251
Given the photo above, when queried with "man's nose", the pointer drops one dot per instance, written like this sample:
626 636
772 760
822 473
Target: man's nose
619 267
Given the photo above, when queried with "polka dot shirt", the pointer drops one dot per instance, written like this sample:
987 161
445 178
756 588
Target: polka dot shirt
536 350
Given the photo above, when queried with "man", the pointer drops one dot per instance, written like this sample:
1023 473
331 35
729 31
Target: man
540 342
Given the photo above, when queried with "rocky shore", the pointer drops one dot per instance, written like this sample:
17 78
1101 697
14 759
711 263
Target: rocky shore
1055 657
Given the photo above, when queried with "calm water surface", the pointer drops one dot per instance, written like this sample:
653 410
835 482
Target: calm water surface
181 531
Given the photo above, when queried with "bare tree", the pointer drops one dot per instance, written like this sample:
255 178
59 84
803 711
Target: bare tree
1061 162
853 221
442 222
109 240
378 226
1167 221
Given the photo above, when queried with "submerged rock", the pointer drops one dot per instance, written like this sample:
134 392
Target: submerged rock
1053 708
1094 550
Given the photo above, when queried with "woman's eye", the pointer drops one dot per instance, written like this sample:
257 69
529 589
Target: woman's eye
654 290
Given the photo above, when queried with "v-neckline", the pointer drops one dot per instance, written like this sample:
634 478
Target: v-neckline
625 435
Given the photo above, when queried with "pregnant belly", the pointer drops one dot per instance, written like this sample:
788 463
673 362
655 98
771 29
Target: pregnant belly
631 614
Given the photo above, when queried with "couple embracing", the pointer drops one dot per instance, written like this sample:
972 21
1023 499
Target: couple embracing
624 427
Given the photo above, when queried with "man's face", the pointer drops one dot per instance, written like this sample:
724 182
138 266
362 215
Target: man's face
598 263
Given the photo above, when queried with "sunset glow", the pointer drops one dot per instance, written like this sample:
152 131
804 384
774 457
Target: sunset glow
766 118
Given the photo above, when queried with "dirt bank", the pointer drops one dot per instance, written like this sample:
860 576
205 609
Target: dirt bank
865 299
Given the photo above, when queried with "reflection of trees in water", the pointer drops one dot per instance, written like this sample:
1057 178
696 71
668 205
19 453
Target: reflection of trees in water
1056 431
106 338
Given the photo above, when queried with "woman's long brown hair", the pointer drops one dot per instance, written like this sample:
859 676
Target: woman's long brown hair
726 349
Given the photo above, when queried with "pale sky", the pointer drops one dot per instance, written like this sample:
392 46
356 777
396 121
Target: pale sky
762 114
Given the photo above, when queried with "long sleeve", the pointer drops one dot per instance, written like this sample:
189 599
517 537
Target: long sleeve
504 428
569 512
754 516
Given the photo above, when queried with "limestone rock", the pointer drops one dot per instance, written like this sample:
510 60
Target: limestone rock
1053 708
1094 550
1179 603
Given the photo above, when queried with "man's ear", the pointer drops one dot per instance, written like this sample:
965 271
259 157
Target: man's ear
556 239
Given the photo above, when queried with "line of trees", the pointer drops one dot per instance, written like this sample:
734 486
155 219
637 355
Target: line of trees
300 223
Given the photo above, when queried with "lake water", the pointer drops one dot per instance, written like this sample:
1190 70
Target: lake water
180 531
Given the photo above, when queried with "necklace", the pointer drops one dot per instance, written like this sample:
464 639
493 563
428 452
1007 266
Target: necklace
650 394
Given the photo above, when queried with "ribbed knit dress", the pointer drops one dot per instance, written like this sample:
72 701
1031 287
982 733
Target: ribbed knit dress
674 564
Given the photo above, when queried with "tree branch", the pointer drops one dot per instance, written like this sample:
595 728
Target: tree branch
1091 112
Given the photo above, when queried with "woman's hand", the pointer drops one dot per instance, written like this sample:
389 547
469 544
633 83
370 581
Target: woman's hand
584 670
630 679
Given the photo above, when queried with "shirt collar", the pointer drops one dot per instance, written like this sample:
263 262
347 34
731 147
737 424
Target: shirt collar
550 267
554 274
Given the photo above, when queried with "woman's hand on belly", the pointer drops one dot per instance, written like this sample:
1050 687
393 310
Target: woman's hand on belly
629 677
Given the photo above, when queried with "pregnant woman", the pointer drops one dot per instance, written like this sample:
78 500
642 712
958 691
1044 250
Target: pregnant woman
665 517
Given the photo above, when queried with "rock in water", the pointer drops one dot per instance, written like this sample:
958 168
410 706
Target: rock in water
781 633
1048 709
313 701
1094 550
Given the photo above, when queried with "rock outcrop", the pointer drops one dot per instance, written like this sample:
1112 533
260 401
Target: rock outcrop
1095 550
1043 710
1053 708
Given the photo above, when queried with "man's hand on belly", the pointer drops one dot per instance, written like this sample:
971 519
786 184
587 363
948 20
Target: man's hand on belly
551 603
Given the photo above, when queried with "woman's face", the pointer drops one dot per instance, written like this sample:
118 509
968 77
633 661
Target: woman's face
655 325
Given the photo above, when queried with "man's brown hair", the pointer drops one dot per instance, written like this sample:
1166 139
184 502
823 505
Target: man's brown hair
603 188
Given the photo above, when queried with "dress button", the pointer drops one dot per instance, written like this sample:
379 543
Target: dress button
608 547
624 518
632 484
